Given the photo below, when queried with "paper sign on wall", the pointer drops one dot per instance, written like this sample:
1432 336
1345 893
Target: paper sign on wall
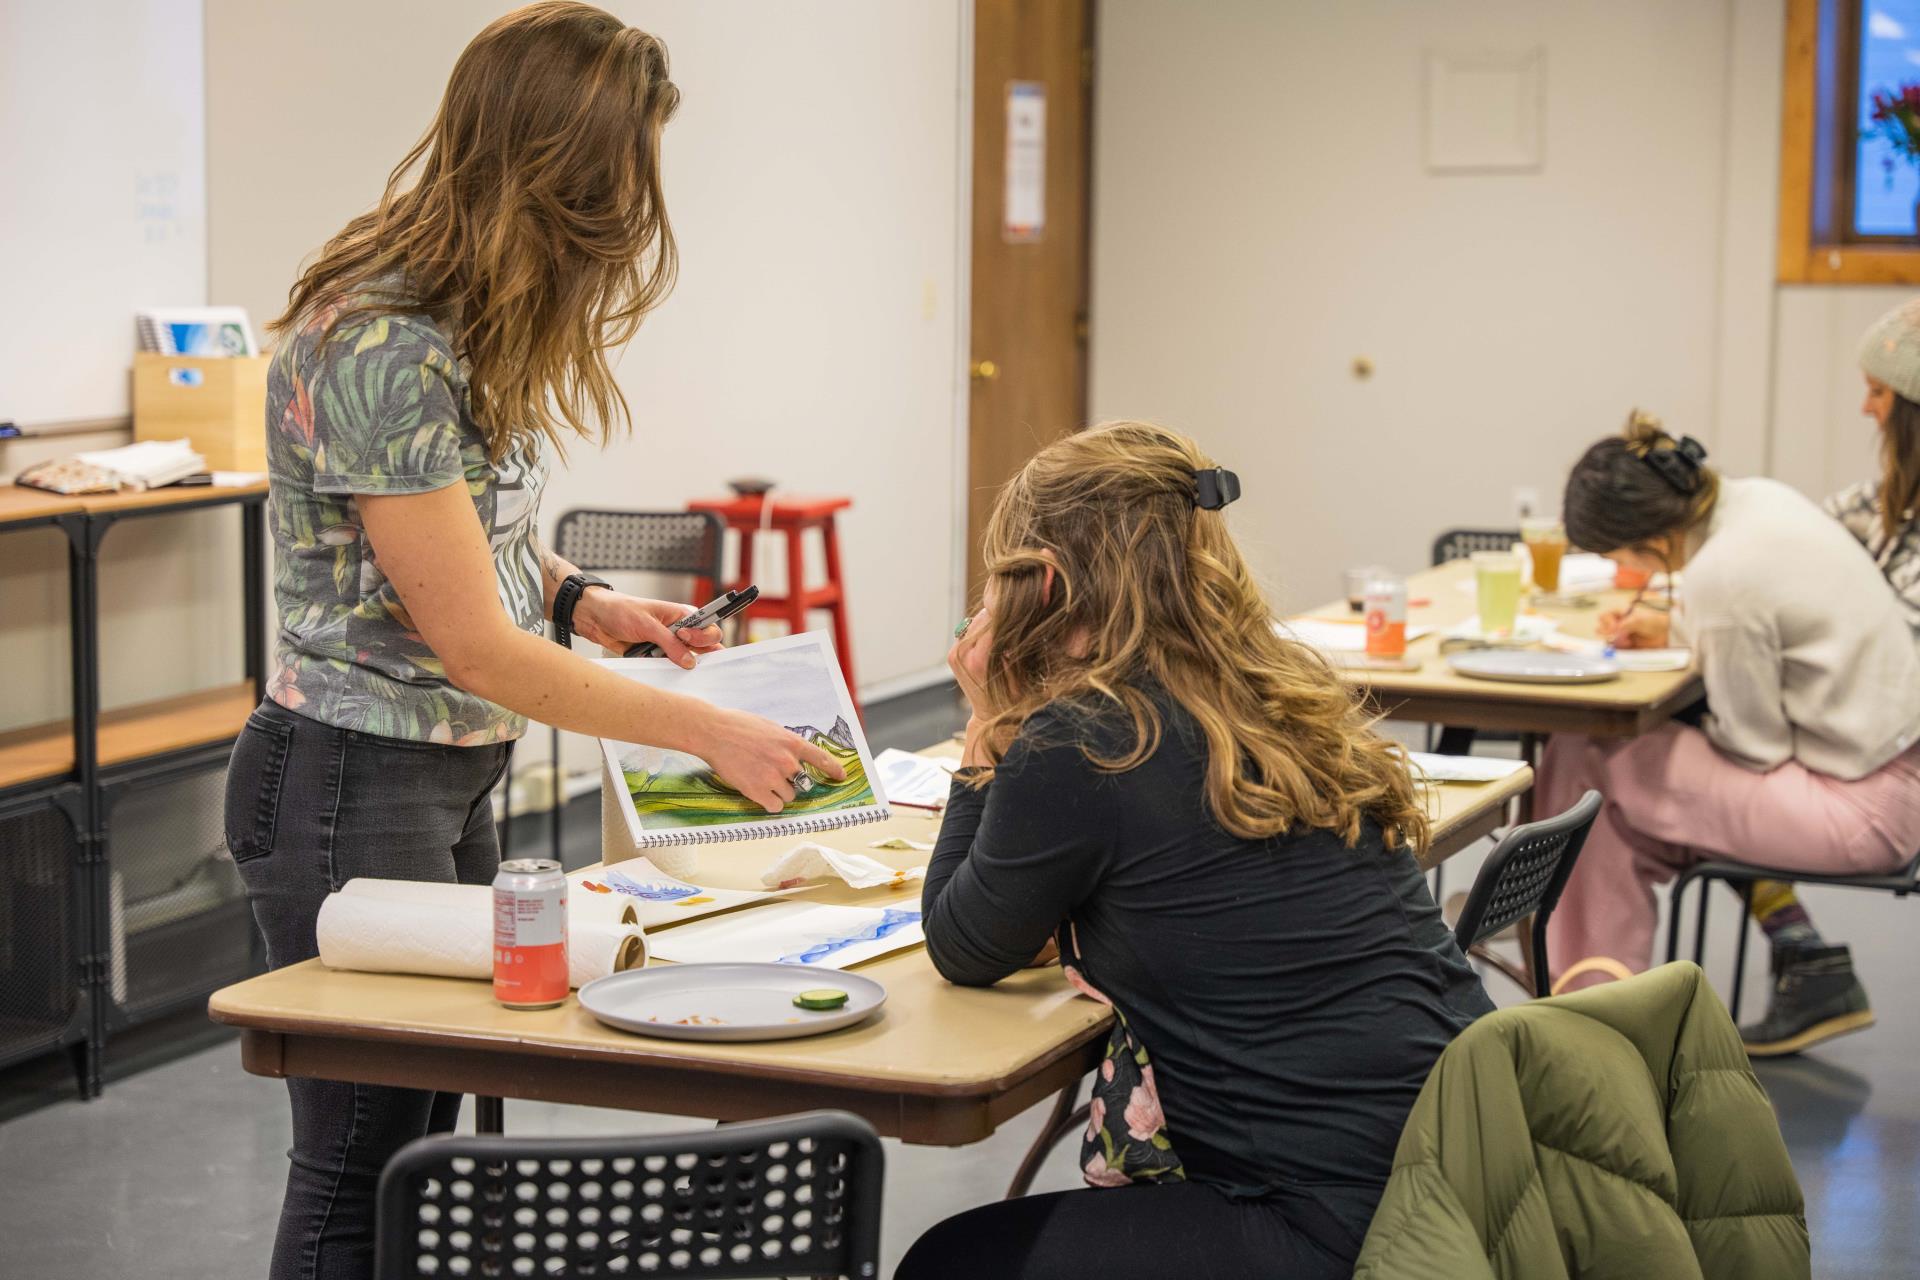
1026 186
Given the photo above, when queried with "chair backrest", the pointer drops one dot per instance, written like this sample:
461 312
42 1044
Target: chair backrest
1523 876
1458 544
643 542
794 1196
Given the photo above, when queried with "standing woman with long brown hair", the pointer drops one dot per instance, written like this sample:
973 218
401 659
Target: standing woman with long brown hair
430 358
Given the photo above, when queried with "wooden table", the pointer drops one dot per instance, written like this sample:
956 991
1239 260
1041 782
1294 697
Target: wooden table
1623 708
942 1065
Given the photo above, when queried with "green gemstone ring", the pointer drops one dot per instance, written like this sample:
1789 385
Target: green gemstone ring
960 632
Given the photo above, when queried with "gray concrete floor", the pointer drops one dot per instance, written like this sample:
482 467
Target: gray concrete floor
177 1170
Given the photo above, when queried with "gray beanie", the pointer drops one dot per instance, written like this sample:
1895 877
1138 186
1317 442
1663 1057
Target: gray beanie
1891 350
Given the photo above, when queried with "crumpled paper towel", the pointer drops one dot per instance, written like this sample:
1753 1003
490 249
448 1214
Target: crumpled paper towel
446 931
816 862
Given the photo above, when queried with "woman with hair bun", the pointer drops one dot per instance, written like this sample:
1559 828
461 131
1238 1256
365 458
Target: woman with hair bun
1807 757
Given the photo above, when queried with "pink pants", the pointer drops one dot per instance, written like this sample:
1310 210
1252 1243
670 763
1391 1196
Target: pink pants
1672 799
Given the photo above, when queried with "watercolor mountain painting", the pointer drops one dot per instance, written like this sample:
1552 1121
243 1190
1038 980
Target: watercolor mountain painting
674 790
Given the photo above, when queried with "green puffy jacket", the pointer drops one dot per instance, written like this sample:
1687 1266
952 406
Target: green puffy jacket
1616 1132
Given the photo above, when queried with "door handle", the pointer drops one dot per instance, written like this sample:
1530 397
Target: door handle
985 370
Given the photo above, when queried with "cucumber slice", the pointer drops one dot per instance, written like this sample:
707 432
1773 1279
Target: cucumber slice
821 998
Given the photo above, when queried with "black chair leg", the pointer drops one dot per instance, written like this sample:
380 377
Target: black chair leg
1542 976
1700 927
1745 889
1675 901
1455 740
489 1114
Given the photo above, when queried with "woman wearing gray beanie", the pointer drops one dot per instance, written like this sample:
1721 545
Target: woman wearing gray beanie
1879 513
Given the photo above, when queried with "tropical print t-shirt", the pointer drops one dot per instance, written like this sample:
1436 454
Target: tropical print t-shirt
382 408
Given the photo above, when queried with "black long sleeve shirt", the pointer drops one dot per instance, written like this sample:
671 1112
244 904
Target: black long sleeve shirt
1292 992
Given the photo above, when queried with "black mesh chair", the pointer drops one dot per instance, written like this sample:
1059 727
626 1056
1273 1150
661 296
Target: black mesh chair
684 542
1458 544
1740 877
690 542
1522 877
798 1196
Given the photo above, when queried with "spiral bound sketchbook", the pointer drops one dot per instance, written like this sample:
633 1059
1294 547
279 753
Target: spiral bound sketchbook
671 798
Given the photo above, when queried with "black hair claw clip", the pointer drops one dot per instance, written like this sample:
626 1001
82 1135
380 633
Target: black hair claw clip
1214 488
1680 465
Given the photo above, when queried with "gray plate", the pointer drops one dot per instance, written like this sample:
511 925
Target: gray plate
1528 666
750 1001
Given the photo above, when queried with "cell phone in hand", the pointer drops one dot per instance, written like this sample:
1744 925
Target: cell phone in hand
710 614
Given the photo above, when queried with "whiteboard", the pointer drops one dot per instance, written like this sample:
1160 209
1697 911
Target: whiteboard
103 127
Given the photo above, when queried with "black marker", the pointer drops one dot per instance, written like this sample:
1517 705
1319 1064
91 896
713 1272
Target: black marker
711 614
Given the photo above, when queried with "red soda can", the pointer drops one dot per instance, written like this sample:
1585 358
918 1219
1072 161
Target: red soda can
530 934
1386 618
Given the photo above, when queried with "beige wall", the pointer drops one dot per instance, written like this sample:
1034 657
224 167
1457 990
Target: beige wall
1264 215
103 218
813 179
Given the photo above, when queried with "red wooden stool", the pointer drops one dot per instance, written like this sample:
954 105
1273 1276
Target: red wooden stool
791 517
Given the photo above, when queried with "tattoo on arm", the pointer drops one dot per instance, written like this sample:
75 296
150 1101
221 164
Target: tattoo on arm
553 572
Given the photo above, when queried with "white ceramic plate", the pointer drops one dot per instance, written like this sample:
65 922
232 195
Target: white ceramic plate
728 1001
1529 666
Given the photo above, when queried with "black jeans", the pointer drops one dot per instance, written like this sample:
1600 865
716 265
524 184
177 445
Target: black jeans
1142 1232
309 807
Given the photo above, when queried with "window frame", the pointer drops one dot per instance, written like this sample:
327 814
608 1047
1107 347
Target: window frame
1819 157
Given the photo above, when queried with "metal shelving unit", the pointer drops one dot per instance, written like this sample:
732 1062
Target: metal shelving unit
118 902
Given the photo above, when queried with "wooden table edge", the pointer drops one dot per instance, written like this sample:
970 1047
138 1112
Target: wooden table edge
1495 713
647 1060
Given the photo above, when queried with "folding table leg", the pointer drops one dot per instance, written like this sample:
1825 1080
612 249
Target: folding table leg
1061 1121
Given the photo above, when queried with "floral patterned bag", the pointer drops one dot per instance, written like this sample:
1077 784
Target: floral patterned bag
1126 1139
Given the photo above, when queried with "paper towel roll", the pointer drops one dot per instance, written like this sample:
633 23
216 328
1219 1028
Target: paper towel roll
583 905
446 931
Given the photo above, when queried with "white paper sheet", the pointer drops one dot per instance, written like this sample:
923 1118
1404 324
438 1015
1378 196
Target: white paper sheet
654 897
1584 571
794 933
1528 628
916 781
1331 635
1436 768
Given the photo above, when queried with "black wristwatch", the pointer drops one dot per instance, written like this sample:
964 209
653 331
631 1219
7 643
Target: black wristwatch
566 598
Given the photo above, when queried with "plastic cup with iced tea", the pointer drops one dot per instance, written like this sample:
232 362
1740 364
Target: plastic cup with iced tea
1546 542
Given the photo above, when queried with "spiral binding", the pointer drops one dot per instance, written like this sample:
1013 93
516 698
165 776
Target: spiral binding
771 827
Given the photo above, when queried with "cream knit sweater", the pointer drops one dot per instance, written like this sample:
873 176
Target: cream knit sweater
1805 649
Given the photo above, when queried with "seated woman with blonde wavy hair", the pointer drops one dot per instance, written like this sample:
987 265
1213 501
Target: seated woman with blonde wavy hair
1196 810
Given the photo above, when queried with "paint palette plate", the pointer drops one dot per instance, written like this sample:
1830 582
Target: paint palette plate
1533 667
728 1001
